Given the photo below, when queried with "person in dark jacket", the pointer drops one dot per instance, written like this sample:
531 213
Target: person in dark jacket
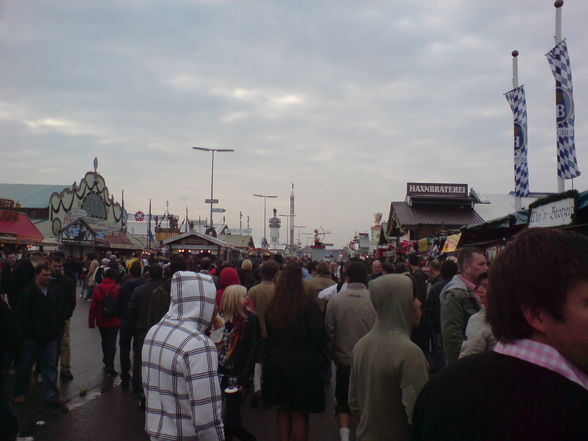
246 274
126 328
432 311
66 289
160 299
9 280
296 338
42 317
138 315
422 333
108 326
237 353
10 345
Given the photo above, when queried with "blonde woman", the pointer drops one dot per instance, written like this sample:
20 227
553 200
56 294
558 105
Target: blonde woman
236 355
246 274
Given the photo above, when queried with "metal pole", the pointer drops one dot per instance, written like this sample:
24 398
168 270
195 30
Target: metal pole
515 84
558 4
264 219
211 190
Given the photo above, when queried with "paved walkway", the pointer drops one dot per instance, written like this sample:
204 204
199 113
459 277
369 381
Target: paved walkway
100 410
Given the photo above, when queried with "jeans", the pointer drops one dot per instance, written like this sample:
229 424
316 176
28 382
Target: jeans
89 291
46 356
108 347
65 350
124 341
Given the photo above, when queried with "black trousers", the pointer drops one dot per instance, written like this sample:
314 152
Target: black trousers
342 389
138 340
108 347
124 342
8 420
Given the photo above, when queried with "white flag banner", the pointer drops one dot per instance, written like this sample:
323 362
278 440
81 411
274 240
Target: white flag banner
518 104
567 165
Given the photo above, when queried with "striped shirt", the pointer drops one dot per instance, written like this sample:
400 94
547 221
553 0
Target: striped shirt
180 363
545 356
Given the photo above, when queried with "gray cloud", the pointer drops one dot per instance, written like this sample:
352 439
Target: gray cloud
348 101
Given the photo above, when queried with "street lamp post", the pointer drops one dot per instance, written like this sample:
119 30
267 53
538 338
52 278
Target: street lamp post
207 149
265 197
287 216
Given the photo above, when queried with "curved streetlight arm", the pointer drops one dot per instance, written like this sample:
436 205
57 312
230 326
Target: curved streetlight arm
208 149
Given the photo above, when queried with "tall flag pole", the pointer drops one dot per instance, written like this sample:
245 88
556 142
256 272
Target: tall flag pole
149 233
518 105
559 61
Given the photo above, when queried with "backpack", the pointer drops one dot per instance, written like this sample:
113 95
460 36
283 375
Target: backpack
99 275
108 306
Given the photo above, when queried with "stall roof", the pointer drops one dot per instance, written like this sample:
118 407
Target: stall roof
30 195
211 239
418 215
17 227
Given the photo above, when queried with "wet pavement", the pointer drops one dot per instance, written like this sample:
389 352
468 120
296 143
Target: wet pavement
100 410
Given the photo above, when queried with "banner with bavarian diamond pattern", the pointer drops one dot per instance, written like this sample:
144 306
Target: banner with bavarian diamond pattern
567 165
516 100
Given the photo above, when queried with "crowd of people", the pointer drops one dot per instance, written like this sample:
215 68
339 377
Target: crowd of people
426 349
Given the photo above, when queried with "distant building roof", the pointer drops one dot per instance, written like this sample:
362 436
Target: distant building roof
238 240
30 195
211 239
426 215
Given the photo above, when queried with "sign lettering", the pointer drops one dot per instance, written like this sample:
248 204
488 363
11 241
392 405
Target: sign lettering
554 214
426 189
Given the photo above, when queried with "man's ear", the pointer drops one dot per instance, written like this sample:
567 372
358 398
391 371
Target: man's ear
537 319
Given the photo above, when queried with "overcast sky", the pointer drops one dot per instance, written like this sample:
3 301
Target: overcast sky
349 100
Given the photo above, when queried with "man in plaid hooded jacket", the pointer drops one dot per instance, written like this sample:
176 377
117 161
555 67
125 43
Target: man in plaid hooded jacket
182 391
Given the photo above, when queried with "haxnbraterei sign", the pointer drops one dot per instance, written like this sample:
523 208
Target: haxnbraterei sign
426 189
554 211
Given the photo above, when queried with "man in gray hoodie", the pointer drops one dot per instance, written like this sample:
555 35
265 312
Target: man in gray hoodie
458 302
350 315
387 354
180 366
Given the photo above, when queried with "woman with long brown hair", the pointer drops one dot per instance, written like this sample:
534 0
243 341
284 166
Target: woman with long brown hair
296 336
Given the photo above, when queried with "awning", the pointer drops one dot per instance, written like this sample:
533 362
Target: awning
426 215
16 227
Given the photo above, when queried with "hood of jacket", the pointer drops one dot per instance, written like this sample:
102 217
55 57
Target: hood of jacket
391 296
192 299
455 283
228 276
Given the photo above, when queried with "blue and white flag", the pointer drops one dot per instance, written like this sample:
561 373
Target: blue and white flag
567 165
516 100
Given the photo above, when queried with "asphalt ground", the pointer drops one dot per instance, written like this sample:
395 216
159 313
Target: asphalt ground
100 410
